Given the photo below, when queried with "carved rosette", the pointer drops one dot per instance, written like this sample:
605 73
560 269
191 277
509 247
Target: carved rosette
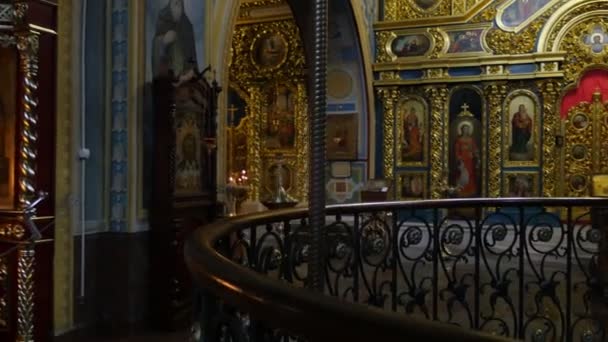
389 101
495 96
25 294
27 44
439 115
550 92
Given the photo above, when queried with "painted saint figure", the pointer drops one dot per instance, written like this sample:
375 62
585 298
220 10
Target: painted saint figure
412 137
173 46
521 125
466 154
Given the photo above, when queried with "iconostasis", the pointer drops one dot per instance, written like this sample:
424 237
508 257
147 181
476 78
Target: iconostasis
267 114
493 98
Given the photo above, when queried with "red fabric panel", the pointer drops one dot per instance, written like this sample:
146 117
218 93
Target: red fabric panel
592 81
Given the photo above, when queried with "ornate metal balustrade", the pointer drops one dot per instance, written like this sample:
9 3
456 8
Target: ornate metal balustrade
514 268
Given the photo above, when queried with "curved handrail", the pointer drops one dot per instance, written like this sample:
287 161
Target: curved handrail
320 317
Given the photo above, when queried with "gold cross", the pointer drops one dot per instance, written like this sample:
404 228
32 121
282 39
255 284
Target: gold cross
465 107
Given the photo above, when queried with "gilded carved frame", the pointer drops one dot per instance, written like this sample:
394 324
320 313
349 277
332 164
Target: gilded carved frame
507 129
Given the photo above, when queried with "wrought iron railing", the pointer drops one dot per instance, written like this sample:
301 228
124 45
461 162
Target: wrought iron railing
487 269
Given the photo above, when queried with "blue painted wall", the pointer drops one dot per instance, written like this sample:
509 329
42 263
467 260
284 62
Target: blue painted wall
95 107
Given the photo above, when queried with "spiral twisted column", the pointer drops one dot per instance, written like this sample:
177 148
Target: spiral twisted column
317 147
27 43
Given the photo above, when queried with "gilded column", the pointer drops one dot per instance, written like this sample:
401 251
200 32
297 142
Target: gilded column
302 143
495 96
551 125
25 294
254 159
389 101
27 43
439 139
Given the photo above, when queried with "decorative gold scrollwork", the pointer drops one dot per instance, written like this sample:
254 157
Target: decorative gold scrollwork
439 115
495 95
502 42
389 100
581 55
13 231
20 10
550 91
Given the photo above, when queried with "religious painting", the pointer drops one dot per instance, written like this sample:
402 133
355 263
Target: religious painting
269 50
579 152
276 175
596 39
174 46
188 156
8 108
341 136
411 45
465 142
520 184
340 83
174 37
412 185
522 129
580 121
578 184
412 127
426 4
466 41
280 121
515 14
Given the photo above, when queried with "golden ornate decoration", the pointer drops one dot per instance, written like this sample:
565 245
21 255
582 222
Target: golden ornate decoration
504 43
508 131
243 68
254 147
383 38
495 94
439 116
389 75
551 39
260 3
550 92
13 231
586 137
439 43
25 293
4 288
443 12
27 44
251 78
389 98
581 55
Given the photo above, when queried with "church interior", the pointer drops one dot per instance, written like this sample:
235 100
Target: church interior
128 124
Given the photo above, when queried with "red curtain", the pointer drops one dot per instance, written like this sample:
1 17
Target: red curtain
591 82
